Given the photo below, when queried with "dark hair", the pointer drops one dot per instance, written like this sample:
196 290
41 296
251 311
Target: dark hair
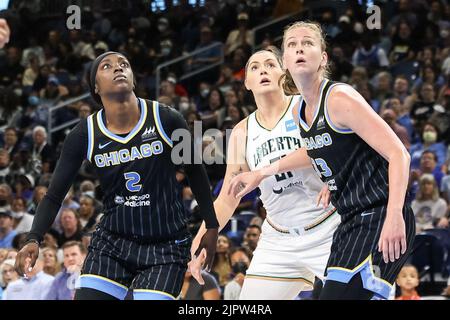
244 250
254 226
221 97
272 49
430 152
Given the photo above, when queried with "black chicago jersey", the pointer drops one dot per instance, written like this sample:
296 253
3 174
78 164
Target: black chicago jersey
137 175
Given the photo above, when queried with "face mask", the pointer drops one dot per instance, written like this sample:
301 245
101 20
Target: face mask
204 93
18 92
17 215
239 267
429 136
165 51
184 106
162 27
33 100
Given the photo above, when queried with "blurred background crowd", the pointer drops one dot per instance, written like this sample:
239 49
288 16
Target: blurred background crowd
191 55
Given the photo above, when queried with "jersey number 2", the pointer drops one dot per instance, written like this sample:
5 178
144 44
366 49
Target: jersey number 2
132 179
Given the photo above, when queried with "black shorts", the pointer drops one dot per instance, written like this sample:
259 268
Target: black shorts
355 250
153 270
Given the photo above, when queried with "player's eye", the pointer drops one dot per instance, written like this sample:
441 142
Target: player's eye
106 65
254 67
125 64
291 44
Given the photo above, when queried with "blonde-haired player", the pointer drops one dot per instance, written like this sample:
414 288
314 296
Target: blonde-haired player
296 237
364 164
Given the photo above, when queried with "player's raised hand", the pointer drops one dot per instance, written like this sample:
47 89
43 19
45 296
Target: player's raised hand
392 241
4 33
26 258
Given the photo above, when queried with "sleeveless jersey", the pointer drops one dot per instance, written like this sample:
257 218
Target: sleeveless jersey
357 176
289 198
137 176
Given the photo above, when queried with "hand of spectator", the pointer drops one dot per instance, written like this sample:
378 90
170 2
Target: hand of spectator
4 33
26 258
443 223
323 196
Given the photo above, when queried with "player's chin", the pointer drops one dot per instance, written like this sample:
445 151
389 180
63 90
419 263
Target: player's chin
122 87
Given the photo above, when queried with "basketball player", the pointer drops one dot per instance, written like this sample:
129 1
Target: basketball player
5 33
296 238
363 162
142 242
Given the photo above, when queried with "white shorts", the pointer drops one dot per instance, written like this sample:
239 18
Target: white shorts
287 257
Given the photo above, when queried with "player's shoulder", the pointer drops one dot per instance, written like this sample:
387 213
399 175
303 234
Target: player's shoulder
241 128
165 110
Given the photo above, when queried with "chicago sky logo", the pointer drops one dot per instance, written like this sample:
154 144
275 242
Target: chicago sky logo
149 134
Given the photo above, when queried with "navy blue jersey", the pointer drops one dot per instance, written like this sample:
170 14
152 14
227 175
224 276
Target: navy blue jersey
137 176
357 175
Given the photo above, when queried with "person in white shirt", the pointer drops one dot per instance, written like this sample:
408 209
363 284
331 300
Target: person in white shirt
33 286
22 219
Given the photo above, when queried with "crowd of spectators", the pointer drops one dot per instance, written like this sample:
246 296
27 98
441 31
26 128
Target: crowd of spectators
402 70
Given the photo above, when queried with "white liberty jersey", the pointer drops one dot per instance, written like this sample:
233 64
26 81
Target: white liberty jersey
290 197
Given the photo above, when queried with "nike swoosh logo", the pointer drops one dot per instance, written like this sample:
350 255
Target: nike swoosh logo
367 213
101 146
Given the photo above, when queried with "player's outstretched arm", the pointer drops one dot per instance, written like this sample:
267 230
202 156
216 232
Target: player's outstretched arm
72 155
248 181
225 204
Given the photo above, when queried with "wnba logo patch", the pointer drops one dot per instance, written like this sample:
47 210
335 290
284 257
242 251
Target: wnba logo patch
290 125
119 200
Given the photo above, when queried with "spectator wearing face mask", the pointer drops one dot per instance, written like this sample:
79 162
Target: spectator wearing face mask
430 142
22 219
240 261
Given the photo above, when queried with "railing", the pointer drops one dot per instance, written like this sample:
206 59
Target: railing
274 28
50 129
186 57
